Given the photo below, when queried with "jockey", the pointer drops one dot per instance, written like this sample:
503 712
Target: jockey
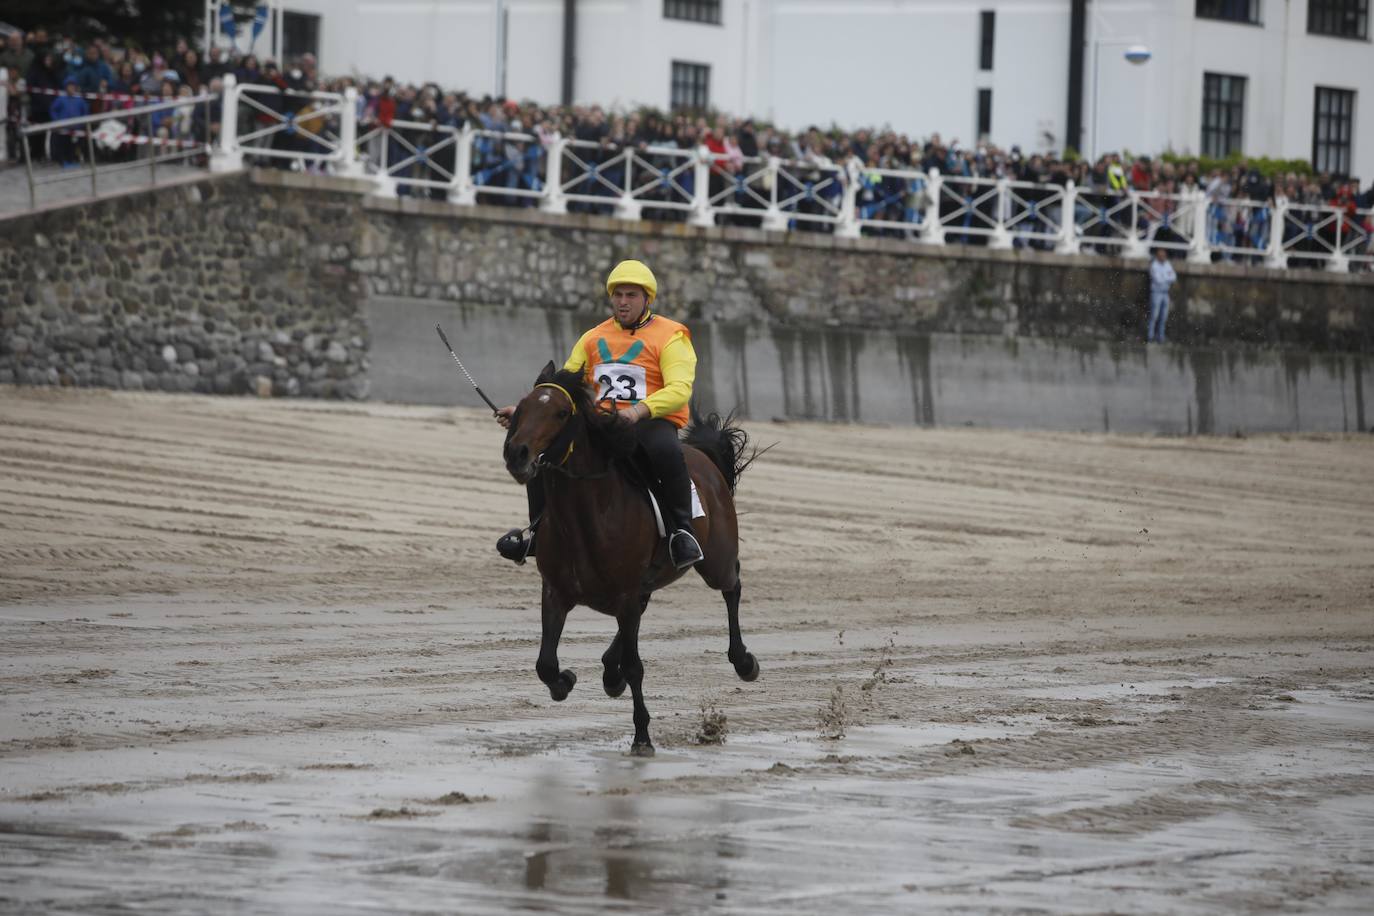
643 364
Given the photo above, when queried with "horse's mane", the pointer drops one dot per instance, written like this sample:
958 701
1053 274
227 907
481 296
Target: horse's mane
606 433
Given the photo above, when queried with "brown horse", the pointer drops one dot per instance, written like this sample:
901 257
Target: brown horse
598 544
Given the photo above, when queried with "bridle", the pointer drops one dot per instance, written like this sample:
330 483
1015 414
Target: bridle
563 442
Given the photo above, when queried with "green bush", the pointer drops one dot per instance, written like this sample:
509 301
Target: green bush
1267 167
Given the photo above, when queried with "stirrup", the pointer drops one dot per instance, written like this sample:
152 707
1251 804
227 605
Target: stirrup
514 546
684 550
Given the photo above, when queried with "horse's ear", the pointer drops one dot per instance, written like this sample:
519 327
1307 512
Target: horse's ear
546 374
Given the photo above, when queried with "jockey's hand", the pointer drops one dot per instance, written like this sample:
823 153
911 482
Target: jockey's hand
635 414
503 416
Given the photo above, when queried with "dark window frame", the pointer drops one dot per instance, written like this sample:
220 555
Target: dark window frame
1333 130
1241 12
702 12
1324 18
987 36
984 114
689 87
293 25
1223 114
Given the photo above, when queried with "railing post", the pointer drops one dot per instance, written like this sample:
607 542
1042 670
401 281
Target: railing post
1135 246
1200 251
349 166
932 230
386 184
847 227
227 157
773 218
554 201
5 113
462 192
702 215
1001 236
90 158
1277 258
1338 263
626 207
1068 220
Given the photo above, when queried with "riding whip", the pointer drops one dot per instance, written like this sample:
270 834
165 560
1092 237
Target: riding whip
444 338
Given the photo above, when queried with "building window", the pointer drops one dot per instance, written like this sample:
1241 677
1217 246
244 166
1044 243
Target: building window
1229 10
691 86
989 25
300 34
1332 121
984 113
1223 114
693 10
1341 18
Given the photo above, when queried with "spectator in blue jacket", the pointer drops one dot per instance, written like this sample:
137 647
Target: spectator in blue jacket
91 71
71 105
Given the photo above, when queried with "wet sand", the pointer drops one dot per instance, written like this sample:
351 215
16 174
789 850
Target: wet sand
260 657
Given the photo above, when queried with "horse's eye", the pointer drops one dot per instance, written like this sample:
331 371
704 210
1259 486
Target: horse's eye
563 414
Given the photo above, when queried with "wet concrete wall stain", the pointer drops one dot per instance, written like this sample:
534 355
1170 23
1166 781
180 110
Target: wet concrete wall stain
844 374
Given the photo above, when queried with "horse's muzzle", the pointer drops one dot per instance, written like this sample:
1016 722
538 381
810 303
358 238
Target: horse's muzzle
519 462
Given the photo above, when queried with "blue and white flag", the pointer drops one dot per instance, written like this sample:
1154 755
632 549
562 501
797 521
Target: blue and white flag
227 26
259 21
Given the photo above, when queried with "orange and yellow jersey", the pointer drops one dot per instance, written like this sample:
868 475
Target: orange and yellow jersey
655 364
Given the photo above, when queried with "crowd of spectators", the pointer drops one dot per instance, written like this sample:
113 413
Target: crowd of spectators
403 129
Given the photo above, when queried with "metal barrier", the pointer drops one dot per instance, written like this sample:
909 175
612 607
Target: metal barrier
1357 239
115 131
1239 228
472 165
889 201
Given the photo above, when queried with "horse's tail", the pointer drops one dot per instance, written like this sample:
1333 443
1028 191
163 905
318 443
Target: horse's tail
723 442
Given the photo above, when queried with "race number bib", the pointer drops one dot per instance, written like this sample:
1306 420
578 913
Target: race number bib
619 382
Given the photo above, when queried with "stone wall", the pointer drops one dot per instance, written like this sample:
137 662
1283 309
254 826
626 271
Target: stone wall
256 283
205 286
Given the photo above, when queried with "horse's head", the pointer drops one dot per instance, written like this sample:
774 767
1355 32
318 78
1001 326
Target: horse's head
540 421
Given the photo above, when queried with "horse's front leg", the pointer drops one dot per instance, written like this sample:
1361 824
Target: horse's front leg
632 669
554 610
611 678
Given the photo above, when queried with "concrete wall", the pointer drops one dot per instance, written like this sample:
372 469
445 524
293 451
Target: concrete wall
265 277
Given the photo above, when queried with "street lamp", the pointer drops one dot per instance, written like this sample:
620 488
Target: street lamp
1135 53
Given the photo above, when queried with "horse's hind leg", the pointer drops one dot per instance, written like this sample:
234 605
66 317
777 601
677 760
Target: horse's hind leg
611 677
554 611
632 668
746 666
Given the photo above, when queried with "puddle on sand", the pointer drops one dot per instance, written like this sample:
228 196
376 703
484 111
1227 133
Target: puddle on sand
589 830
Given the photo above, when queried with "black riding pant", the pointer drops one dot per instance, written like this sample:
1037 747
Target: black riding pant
658 438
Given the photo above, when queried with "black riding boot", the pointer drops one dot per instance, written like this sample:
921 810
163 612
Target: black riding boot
683 548
514 544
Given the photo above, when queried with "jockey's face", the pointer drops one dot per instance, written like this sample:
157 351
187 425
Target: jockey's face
628 302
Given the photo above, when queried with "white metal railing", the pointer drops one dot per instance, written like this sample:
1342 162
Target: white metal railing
473 165
153 131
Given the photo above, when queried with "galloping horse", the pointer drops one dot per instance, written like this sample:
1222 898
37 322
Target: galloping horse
598 543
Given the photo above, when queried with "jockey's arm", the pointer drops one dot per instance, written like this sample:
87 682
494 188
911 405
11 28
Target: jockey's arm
678 361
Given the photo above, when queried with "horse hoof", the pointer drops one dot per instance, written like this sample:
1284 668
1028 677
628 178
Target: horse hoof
614 689
751 670
642 750
566 681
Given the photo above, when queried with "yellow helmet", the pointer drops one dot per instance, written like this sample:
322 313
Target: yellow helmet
636 272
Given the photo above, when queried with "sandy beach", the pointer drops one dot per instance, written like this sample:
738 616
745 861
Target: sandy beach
260 657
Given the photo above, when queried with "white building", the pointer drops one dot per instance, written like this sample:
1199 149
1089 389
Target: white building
1289 78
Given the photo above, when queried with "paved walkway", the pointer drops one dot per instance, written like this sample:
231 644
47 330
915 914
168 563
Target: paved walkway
75 184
